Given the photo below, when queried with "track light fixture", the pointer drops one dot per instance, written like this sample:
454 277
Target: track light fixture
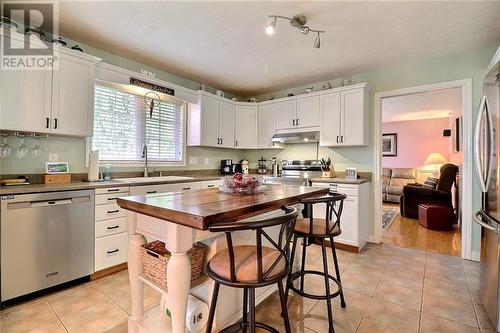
299 22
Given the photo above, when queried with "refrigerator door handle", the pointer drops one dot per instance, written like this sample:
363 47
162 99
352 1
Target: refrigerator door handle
477 145
478 216
491 135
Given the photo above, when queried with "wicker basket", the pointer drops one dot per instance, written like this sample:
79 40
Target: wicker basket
155 259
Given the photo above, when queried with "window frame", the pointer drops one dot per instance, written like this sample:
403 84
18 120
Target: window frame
151 163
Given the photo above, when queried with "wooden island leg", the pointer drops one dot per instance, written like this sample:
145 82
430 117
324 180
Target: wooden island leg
179 241
134 263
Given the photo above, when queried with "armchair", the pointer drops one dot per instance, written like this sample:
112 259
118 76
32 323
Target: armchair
416 194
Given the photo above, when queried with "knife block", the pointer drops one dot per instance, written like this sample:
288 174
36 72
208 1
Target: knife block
329 174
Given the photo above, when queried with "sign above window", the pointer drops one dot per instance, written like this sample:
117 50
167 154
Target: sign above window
152 86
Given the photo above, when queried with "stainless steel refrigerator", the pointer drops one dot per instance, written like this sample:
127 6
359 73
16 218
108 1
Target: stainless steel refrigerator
487 143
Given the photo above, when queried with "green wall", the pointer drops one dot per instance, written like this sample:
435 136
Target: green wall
472 64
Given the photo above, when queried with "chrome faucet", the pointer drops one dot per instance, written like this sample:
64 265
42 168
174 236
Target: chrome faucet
145 157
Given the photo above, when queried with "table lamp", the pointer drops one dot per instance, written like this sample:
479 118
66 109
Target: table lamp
434 161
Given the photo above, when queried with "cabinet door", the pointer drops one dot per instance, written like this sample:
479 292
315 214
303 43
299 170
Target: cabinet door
349 222
73 96
25 100
246 127
330 120
308 112
267 125
209 122
226 124
286 114
354 118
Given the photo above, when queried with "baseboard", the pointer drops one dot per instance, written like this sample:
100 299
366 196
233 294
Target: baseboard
372 239
108 271
475 256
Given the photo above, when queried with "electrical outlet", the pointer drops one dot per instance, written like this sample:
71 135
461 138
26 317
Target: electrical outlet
193 160
53 157
207 162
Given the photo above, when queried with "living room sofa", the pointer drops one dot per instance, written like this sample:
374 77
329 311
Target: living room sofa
393 181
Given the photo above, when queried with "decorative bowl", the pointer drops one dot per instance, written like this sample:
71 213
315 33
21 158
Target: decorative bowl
239 184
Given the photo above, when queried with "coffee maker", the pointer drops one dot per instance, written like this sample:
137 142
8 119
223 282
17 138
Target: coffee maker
227 167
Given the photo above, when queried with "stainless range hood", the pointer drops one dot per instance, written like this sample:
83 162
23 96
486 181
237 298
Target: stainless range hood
297 137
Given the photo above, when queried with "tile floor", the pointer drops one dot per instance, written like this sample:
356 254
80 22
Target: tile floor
387 289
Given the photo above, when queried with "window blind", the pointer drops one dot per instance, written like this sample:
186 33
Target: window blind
122 125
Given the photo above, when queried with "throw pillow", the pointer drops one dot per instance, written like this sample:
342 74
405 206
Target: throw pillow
431 182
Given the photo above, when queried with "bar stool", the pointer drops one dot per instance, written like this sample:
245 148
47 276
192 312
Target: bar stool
253 266
320 229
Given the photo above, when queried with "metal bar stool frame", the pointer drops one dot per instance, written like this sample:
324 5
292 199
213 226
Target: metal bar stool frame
287 222
334 203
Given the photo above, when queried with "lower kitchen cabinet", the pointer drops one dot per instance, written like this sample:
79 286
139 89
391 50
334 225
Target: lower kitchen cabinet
354 221
110 251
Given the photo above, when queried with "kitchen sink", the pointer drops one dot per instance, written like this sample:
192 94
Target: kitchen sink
152 179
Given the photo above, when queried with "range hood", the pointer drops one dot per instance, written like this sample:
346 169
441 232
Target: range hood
296 137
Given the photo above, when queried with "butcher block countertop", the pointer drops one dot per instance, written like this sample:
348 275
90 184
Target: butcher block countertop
199 209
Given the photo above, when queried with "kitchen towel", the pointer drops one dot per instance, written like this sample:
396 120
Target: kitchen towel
93 174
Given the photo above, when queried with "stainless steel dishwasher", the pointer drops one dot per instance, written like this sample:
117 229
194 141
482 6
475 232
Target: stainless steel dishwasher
46 239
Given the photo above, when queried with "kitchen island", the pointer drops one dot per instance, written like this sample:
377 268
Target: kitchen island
178 219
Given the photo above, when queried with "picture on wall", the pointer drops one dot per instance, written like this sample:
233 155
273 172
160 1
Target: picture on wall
455 136
390 144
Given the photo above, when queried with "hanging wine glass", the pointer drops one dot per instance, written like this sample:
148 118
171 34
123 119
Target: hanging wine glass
21 150
4 148
36 151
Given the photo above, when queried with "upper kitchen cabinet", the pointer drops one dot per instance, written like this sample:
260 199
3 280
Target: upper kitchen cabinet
246 126
211 122
344 117
299 113
73 96
57 101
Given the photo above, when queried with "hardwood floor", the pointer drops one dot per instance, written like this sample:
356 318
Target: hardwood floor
406 232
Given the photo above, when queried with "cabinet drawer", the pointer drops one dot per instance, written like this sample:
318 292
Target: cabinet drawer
108 190
210 183
110 251
150 189
104 199
110 227
110 211
185 186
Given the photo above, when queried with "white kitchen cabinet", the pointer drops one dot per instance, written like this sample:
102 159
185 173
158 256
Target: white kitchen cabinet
58 101
211 122
210 183
226 124
344 117
266 125
286 115
354 221
246 127
308 112
73 96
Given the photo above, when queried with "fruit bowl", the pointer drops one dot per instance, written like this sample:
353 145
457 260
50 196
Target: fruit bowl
238 184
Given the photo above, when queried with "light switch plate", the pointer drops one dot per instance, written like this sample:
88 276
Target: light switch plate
53 157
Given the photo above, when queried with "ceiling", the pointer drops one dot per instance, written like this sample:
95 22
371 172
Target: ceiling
223 43
427 105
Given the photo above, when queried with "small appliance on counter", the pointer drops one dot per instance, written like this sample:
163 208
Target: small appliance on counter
351 173
276 167
227 167
56 173
262 166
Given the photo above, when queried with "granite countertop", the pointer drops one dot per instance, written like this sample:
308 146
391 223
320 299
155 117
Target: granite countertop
339 180
84 185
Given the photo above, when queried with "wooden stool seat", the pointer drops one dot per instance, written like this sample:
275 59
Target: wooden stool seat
302 226
245 263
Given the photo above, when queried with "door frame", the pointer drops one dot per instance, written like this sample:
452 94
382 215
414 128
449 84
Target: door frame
466 180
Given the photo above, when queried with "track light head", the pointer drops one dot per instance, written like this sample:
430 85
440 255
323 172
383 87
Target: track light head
317 42
304 29
271 27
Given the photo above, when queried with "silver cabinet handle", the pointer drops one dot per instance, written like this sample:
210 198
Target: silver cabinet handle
478 216
51 203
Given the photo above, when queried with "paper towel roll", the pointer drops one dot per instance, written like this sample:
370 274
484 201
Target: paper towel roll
196 314
93 174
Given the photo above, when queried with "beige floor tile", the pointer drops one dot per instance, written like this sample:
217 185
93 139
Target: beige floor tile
367 268
298 306
372 326
476 299
32 316
403 279
482 317
443 259
363 283
451 308
431 324
120 327
445 273
446 288
404 266
394 316
400 295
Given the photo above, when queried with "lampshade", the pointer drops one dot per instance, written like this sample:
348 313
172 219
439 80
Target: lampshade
435 158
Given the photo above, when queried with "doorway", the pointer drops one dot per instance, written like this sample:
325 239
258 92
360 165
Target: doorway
415 167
